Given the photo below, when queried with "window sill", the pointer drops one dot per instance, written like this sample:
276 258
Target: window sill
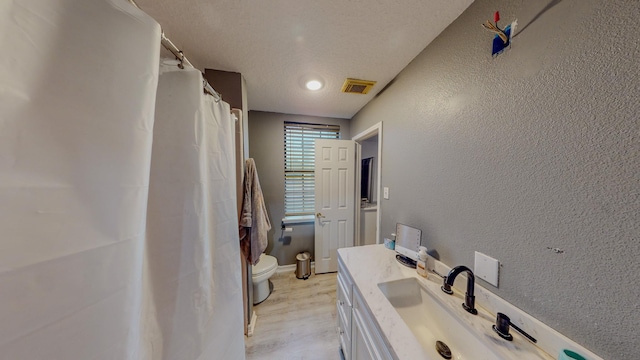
301 219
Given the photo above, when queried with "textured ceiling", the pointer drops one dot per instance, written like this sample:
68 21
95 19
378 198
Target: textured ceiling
277 44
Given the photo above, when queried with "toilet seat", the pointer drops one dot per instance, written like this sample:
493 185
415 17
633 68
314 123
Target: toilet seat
266 264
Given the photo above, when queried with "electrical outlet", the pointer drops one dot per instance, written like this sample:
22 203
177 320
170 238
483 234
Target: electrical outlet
385 193
486 268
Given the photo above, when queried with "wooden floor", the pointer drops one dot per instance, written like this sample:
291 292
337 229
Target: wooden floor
297 321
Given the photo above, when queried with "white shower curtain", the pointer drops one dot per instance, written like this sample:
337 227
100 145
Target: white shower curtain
194 298
78 83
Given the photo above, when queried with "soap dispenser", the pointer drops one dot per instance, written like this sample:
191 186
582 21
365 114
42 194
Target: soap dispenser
421 266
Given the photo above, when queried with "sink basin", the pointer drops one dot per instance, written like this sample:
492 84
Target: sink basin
431 320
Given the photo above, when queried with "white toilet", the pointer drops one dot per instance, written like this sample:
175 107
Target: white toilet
261 272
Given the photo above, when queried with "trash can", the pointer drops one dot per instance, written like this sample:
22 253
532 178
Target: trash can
303 265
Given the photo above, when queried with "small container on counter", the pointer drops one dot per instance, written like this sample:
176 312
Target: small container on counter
421 266
390 243
569 355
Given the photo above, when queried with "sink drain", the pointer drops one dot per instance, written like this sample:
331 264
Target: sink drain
443 349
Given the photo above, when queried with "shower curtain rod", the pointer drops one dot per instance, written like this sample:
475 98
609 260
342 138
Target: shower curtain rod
183 60
169 45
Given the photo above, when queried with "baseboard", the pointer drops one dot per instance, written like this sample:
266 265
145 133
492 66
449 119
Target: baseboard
286 268
292 268
252 324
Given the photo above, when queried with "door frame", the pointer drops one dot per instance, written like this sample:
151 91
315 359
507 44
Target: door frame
367 134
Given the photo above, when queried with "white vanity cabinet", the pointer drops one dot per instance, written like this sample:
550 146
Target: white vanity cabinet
360 339
344 297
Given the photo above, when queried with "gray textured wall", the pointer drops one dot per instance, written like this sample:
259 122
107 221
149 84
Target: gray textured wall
537 148
266 144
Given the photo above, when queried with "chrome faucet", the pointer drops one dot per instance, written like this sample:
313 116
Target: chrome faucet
469 298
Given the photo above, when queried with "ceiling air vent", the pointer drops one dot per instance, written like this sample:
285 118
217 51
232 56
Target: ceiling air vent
355 86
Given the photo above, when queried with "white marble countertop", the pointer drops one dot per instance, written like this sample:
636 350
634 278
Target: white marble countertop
369 266
374 264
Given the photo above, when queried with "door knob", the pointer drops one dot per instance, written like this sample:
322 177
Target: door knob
320 216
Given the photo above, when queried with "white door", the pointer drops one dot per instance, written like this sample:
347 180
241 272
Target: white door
334 201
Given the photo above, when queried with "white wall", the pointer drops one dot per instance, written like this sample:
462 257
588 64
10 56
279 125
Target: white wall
535 149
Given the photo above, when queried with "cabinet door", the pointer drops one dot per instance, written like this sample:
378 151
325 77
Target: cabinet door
370 345
345 342
344 320
344 305
361 348
343 302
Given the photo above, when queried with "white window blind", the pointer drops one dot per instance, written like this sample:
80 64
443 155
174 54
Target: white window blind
299 164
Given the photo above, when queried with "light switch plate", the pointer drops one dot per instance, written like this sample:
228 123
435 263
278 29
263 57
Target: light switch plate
385 190
487 268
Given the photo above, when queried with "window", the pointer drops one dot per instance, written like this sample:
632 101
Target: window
299 163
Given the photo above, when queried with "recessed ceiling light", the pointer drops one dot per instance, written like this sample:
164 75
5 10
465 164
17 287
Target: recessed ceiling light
313 85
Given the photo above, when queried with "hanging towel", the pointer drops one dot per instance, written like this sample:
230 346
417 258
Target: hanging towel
254 221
